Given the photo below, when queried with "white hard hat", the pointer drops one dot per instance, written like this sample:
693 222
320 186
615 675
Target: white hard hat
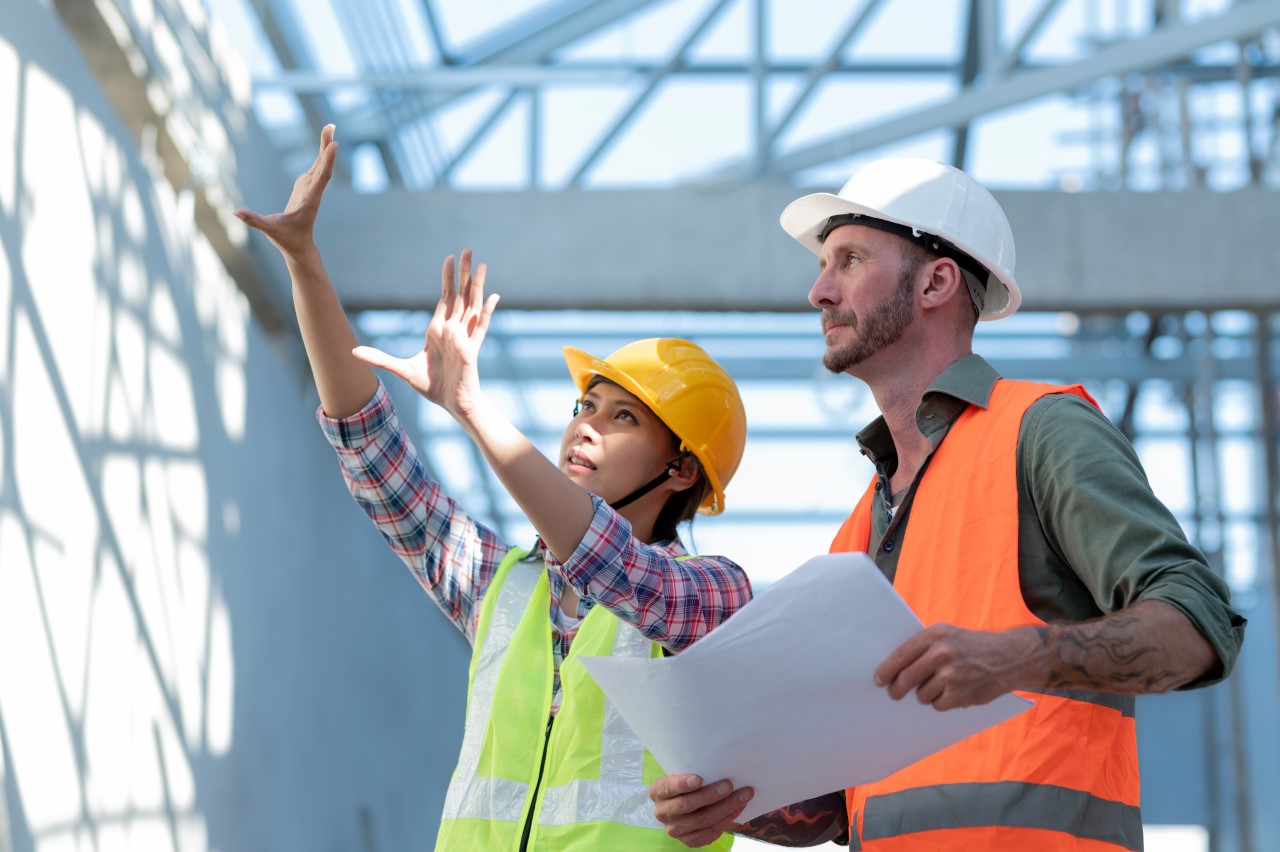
931 200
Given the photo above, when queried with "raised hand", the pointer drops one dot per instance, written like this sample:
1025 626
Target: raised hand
290 230
445 371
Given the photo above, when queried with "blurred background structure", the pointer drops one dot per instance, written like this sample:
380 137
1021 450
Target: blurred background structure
204 645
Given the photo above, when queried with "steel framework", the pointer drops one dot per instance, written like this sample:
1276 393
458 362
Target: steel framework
1140 67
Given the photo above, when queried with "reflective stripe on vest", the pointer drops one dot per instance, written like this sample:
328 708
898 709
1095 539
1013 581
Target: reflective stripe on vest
470 796
1125 704
1004 803
621 781
1062 775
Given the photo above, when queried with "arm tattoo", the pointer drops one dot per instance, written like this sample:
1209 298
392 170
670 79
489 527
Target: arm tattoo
1110 654
806 823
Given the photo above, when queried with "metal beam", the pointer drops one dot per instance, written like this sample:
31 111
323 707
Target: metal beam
532 38
433 30
280 27
477 136
529 40
688 249
1013 57
818 72
1170 43
448 80
784 365
970 66
638 103
614 73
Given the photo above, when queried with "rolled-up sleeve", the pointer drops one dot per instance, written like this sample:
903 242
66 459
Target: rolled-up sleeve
1098 511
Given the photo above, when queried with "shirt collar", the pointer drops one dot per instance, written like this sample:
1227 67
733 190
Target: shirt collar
968 381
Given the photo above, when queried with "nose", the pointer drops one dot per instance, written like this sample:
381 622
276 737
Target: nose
824 293
584 431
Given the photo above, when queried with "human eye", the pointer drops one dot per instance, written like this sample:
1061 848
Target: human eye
624 414
852 260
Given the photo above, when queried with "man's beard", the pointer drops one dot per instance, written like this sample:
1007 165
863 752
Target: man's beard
882 326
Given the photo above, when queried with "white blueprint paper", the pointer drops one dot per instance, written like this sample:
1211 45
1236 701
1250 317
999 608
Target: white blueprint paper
781 697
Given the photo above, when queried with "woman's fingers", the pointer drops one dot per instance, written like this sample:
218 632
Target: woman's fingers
446 290
325 160
474 302
253 220
377 358
466 281
464 284
462 298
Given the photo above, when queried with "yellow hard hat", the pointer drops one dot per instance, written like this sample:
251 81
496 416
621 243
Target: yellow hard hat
688 391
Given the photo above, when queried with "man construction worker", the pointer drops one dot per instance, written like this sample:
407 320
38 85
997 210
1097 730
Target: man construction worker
1016 522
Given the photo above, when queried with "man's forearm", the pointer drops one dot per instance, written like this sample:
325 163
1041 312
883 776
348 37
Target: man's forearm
1147 648
806 823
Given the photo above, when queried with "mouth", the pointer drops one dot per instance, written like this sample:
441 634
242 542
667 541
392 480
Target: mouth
575 460
834 323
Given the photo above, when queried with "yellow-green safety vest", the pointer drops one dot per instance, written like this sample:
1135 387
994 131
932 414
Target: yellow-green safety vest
595 773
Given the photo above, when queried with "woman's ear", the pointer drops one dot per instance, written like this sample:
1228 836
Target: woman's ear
686 473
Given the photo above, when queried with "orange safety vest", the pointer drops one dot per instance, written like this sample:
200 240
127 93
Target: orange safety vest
1061 776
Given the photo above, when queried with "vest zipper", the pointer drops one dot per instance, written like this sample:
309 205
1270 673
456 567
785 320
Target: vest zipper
537 788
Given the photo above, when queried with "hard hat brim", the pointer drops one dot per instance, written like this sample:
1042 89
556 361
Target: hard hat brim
805 218
583 366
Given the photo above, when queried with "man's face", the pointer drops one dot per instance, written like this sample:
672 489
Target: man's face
864 290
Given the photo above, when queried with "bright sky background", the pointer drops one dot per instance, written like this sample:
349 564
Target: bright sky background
694 124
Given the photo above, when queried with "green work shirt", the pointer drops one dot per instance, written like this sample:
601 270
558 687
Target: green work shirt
1092 537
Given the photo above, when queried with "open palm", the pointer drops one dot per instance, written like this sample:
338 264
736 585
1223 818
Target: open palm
446 371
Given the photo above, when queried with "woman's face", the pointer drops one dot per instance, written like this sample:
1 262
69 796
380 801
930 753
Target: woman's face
614 444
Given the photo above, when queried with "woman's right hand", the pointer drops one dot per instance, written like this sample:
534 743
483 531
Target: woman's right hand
446 370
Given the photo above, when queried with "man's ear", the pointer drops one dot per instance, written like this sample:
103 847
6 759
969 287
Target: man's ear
686 474
944 282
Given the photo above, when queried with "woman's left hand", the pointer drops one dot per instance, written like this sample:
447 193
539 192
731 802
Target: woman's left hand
446 370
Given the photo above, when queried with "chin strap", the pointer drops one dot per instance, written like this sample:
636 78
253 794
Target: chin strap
671 469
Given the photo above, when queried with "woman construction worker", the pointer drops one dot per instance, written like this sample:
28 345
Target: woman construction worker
658 431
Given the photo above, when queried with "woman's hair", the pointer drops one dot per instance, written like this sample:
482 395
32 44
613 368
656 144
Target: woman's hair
681 506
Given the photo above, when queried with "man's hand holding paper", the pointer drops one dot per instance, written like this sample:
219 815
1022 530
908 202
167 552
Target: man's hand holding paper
766 702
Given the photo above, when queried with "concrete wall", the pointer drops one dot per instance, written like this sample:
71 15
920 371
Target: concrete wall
203 644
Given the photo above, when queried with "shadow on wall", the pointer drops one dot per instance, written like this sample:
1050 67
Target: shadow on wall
190 660
122 358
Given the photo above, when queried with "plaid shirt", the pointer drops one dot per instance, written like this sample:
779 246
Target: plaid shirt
673 602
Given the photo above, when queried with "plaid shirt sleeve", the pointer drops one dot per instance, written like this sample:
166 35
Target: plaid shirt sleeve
453 557
672 601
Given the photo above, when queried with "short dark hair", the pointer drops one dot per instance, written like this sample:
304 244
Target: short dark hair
915 256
